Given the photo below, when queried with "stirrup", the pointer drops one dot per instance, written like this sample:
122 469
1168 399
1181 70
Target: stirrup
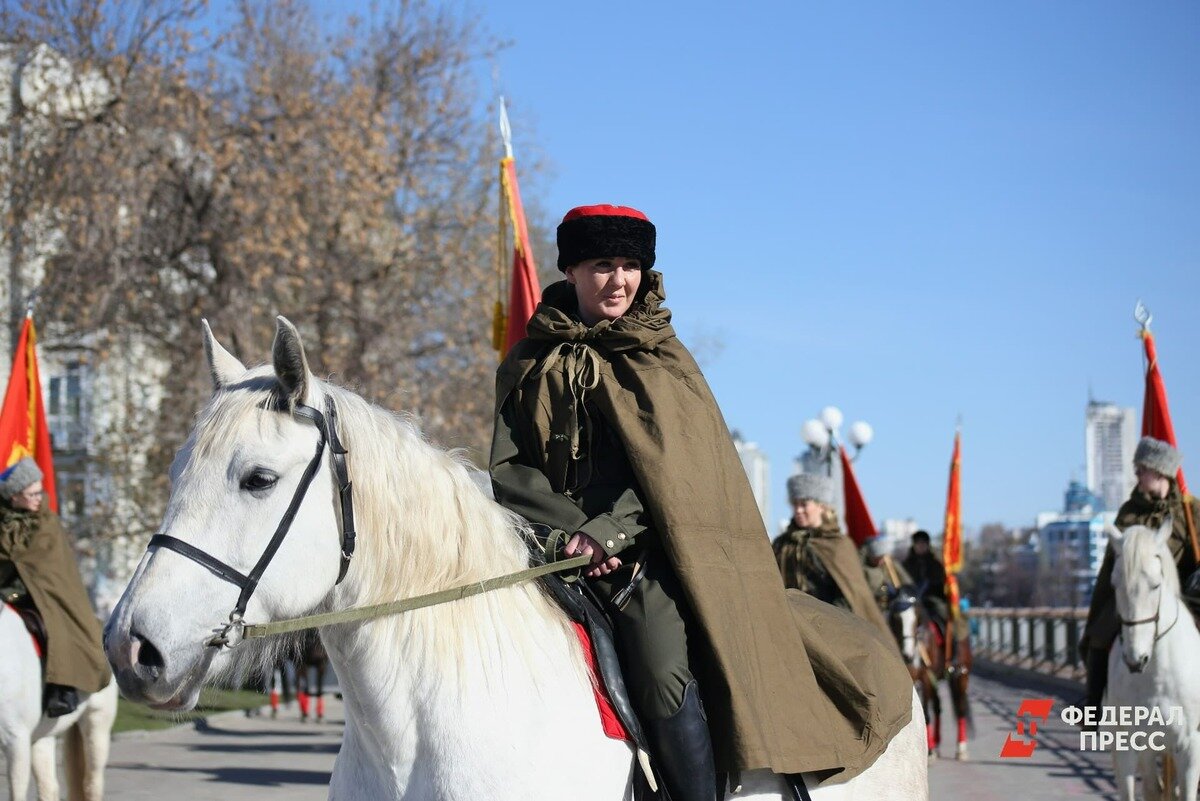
795 784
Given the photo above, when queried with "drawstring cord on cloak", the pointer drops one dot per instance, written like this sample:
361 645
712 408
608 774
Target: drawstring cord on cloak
581 369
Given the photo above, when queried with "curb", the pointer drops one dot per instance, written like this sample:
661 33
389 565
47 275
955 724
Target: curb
199 722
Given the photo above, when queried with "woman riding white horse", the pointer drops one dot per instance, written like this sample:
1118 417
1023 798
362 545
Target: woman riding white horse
28 737
479 698
70 691
1154 665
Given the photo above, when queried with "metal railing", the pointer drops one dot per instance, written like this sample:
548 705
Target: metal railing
1041 639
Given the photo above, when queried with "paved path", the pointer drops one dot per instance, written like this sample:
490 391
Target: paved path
1056 770
227 757
231 757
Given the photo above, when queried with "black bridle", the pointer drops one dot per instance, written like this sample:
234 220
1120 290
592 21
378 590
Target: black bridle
1158 635
326 425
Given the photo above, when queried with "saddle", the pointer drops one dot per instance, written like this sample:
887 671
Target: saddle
583 610
937 629
34 624
587 612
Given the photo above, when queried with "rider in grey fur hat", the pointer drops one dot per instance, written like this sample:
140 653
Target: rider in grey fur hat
1156 498
18 478
1159 456
810 487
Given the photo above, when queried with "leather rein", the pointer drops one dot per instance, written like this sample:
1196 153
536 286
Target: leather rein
1158 635
236 629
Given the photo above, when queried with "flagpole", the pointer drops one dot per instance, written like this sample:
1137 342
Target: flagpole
1143 317
499 313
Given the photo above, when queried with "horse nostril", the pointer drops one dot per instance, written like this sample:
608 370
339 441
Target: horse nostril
147 657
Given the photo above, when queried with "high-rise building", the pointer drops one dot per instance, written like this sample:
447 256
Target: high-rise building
1110 441
758 470
1071 546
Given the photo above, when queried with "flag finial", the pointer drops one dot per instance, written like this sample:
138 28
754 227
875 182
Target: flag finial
1142 315
505 129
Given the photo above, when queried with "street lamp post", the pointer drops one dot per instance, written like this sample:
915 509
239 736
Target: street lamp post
822 437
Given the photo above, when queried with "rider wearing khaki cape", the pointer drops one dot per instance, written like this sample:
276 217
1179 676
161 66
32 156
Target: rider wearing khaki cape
36 558
607 431
1155 498
816 557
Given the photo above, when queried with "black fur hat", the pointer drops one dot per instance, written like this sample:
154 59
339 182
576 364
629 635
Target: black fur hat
594 232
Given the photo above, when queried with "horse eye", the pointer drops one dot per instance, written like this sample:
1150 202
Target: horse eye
259 480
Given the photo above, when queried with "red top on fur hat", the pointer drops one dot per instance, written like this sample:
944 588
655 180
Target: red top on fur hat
604 210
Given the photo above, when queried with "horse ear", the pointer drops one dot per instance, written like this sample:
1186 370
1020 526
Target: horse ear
1116 538
1163 535
291 365
223 366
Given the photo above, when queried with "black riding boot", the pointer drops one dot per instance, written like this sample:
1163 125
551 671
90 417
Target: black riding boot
60 700
1097 681
1097 675
683 751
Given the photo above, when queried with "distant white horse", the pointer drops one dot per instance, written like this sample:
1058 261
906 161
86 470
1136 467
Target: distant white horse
1156 662
28 738
484 698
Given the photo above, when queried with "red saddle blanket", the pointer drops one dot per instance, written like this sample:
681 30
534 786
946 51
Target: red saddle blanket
33 625
939 637
608 716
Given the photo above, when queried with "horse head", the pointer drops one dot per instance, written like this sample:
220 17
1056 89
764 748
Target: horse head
1143 577
904 618
252 462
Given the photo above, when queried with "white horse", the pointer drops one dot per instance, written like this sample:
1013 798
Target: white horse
1155 665
484 698
28 738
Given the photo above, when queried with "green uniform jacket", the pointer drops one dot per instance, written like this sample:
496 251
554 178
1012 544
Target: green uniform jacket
36 547
792 684
824 563
1102 623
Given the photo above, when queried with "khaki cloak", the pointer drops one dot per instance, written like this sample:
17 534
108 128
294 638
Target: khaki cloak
837 554
37 547
794 684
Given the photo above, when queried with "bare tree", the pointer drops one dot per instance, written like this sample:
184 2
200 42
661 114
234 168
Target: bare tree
344 180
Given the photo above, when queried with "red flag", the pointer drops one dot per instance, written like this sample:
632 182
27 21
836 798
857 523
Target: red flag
1156 421
952 540
23 430
523 291
859 524
952 525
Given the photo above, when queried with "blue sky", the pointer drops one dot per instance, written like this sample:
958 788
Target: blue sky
912 211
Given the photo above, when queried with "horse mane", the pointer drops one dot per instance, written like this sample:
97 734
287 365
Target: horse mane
1139 549
424 524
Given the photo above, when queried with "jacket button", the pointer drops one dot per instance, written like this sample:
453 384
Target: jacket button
621 536
610 544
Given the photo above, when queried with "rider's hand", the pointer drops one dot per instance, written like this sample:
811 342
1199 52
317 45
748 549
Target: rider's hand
581 544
